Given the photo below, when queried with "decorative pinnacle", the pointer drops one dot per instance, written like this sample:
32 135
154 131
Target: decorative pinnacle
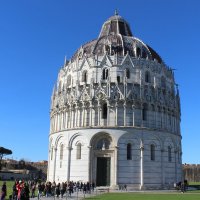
116 12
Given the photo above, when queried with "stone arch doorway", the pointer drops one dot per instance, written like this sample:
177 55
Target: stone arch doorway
102 159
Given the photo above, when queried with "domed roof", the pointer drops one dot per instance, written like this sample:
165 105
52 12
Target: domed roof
115 25
116 38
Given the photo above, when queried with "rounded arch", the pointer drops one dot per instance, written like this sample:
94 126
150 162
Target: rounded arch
169 142
79 142
127 137
58 140
102 140
73 137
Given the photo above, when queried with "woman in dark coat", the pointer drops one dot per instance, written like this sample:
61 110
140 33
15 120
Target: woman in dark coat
3 191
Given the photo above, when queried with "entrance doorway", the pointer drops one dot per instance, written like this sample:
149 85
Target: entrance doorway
103 171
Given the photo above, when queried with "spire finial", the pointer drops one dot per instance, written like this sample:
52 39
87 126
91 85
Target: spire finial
65 60
116 12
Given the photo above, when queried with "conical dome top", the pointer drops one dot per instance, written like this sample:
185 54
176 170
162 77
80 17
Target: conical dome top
115 25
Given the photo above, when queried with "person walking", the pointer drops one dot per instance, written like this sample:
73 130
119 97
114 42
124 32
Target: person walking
3 191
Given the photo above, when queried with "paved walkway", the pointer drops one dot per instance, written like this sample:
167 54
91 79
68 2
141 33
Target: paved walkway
80 195
76 195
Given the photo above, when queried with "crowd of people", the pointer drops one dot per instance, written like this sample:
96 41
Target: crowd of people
30 189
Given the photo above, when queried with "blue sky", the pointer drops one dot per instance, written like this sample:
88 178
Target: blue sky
35 36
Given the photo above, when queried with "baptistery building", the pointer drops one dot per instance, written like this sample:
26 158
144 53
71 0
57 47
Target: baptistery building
115 114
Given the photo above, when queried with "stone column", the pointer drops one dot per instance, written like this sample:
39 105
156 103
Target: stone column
64 119
70 117
162 119
162 168
90 123
55 121
108 114
79 117
61 120
116 113
99 106
142 115
116 164
141 166
175 125
66 122
76 116
89 165
52 123
83 115
133 108
54 165
124 113
173 129
49 166
175 162
68 163
156 117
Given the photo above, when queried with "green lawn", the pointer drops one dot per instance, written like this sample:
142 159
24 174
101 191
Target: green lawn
147 196
194 183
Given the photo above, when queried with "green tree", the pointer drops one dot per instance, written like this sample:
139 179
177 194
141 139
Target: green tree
4 152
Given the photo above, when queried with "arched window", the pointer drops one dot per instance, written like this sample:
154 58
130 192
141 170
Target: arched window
84 76
152 152
103 144
147 77
138 52
78 151
129 151
169 154
61 152
127 73
144 54
104 111
105 74
144 112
